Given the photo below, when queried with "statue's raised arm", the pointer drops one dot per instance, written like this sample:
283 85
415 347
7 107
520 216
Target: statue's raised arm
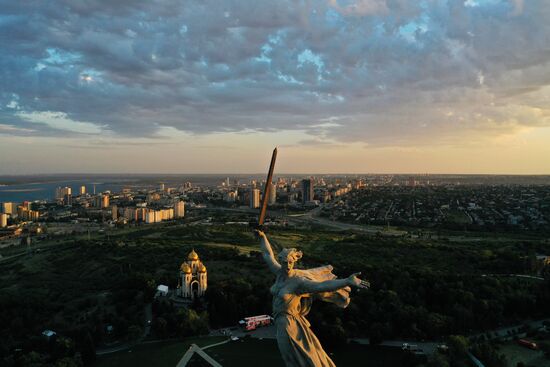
267 252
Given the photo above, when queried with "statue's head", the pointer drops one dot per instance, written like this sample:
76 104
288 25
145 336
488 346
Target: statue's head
288 257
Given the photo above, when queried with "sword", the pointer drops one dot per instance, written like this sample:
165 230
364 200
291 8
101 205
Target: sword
267 188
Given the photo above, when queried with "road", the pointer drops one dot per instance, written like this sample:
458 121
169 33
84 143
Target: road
431 347
310 218
514 276
503 332
427 347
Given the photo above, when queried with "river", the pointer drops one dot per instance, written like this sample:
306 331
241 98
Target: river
46 190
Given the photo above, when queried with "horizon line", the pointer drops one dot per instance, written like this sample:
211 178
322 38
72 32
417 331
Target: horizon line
275 174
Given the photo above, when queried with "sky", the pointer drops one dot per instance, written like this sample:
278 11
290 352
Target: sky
340 86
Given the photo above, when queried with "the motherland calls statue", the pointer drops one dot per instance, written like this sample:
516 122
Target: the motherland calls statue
293 292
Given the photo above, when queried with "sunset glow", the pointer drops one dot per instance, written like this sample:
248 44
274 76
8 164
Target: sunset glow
340 86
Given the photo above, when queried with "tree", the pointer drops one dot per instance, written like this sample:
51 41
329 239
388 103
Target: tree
376 334
487 354
161 327
134 332
458 350
438 360
69 362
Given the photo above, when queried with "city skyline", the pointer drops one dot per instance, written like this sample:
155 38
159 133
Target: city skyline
341 86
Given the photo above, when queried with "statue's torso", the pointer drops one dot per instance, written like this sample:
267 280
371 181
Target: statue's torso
285 300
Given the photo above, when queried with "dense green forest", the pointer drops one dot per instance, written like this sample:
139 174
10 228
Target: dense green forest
94 293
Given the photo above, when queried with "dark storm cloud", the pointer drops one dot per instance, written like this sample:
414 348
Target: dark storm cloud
387 71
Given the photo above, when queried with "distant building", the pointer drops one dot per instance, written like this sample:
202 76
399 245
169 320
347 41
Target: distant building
272 194
230 196
114 212
8 208
61 192
161 187
192 282
254 198
3 220
22 212
82 190
68 199
156 216
179 209
150 216
152 197
48 334
140 214
307 190
162 290
105 201
33 215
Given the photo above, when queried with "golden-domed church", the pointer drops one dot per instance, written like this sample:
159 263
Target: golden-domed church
192 282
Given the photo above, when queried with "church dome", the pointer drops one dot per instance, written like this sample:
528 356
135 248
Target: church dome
185 268
202 269
193 256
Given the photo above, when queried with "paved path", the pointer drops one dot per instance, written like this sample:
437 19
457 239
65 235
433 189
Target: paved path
514 276
216 344
200 351
264 332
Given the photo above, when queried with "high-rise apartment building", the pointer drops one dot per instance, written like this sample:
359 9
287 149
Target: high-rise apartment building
8 208
179 209
104 201
82 190
254 198
61 192
307 190
3 220
230 196
272 194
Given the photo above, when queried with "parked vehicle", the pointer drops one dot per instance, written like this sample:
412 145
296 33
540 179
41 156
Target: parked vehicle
253 322
442 348
528 344
410 347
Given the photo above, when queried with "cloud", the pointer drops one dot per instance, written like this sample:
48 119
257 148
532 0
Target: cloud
10 129
518 7
361 7
60 121
386 72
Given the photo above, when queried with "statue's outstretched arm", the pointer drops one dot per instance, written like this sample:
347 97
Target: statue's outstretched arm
309 286
267 253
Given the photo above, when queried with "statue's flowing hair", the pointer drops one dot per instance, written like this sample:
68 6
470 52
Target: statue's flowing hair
285 253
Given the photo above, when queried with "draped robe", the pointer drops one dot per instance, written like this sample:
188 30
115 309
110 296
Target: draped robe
297 343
